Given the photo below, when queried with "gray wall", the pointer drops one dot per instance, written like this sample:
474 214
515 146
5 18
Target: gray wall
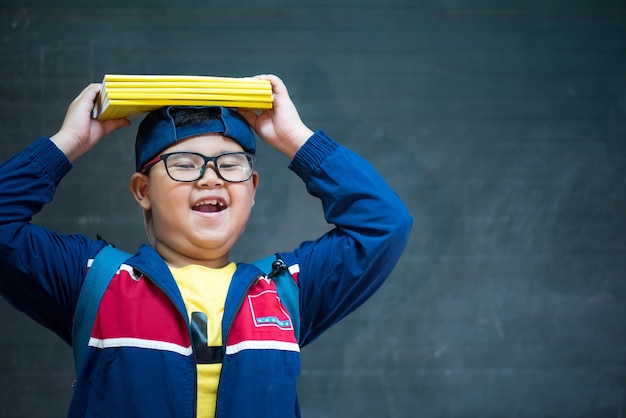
502 124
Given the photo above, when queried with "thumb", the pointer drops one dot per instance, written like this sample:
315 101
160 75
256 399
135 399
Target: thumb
113 125
249 116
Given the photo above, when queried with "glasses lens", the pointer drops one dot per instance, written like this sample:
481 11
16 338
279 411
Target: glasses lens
235 167
183 166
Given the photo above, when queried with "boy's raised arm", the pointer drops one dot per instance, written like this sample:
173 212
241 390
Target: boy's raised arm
344 267
42 270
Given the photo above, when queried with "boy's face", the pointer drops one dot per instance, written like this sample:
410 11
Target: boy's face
196 222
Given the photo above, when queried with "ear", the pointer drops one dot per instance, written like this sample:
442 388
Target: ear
139 188
255 184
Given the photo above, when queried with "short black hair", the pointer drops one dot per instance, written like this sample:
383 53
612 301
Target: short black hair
183 116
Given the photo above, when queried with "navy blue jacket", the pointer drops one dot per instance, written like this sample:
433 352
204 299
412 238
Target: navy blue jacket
140 360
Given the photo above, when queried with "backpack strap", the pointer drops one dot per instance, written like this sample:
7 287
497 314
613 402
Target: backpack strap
103 268
288 293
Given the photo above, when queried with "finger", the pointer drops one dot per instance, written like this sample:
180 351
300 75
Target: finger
249 116
90 92
113 125
278 86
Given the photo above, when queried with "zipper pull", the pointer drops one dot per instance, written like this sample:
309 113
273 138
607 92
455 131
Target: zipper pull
277 267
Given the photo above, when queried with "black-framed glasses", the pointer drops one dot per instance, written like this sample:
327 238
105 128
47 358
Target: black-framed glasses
234 167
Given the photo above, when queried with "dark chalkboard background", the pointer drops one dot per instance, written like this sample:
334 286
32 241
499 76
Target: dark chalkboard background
502 124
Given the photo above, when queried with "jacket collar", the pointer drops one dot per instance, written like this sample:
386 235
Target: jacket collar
245 276
151 264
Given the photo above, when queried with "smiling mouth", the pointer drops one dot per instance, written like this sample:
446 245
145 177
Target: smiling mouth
209 206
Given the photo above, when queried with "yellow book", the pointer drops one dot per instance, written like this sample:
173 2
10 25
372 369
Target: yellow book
152 95
125 108
178 78
186 90
127 95
116 112
261 85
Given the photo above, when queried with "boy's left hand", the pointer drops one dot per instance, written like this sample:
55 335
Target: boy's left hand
281 126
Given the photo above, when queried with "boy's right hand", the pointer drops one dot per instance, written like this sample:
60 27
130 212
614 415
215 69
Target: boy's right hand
80 132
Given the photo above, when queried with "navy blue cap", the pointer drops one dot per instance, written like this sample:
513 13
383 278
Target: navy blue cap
157 131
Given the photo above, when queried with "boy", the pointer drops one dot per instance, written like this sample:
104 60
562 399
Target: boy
181 330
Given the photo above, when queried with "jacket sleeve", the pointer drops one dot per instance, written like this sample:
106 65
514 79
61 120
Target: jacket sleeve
41 272
343 268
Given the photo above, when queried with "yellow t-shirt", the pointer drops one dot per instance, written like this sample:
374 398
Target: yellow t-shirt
204 292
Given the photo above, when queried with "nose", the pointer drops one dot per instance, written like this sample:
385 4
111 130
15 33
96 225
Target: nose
209 176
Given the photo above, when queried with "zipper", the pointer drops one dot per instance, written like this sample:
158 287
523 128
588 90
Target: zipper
225 337
186 318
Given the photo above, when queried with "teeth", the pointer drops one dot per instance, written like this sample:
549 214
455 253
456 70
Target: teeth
213 202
